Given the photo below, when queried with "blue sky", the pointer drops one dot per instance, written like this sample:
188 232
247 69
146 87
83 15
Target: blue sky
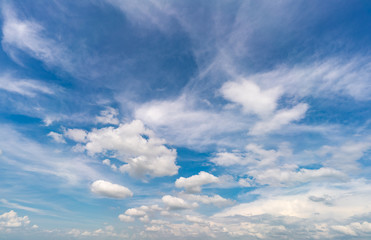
185 119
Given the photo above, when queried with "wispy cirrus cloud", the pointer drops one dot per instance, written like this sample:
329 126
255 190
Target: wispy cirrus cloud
26 87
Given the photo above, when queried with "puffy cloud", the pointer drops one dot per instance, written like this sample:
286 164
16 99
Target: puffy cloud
77 135
280 118
108 163
251 97
57 137
135 212
126 218
194 183
135 145
111 190
175 203
108 116
11 219
139 212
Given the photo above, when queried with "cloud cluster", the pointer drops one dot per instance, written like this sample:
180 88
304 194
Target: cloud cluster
106 231
313 201
10 220
143 213
133 144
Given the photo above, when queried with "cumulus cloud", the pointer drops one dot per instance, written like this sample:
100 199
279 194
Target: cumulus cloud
141 212
135 145
106 231
126 218
251 97
10 220
175 203
77 135
111 190
193 184
108 116
108 163
57 137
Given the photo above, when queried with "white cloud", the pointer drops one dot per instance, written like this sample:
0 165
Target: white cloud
290 176
142 213
175 203
347 230
215 199
26 87
107 231
135 145
228 158
255 155
152 13
57 137
186 123
313 201
337 76
125 218
344 157
10 219
280 118
194 183
27 155
29 37
251 97
8 204
108 163
111 190
108 116
77 135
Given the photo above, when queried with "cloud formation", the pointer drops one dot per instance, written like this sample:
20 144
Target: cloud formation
107 189
135 145
11 220
194 183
